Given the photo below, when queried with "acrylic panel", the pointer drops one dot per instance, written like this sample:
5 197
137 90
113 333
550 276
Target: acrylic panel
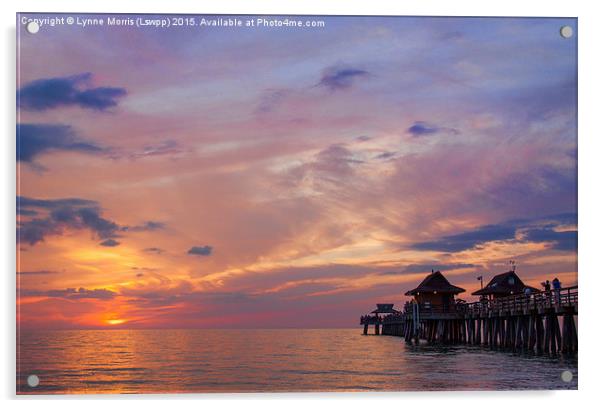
295 203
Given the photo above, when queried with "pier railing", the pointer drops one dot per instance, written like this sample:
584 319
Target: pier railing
371 319
553 299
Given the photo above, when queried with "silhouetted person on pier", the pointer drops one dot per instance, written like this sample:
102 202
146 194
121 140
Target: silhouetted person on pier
527 291
556 285
546 288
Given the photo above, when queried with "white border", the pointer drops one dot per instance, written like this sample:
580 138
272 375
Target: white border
590 225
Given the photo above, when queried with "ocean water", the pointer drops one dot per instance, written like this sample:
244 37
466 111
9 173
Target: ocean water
198 361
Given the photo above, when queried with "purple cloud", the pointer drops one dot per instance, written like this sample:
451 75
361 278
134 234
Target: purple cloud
337 78
110 243
36 139
200 250
75 90
72 293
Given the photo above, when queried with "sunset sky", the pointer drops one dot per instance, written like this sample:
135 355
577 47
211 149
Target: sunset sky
280 177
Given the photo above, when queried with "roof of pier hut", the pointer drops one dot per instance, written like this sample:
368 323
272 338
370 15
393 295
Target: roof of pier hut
507 283
384 308
435 282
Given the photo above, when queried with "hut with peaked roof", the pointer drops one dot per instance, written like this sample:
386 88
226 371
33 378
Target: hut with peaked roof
384 308
381 309
504 284
435 290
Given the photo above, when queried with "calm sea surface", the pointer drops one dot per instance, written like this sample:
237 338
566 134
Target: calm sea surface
169 361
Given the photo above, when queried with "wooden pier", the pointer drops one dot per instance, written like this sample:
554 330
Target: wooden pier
541 322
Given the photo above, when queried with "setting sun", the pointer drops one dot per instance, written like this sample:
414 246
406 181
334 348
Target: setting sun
113 322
